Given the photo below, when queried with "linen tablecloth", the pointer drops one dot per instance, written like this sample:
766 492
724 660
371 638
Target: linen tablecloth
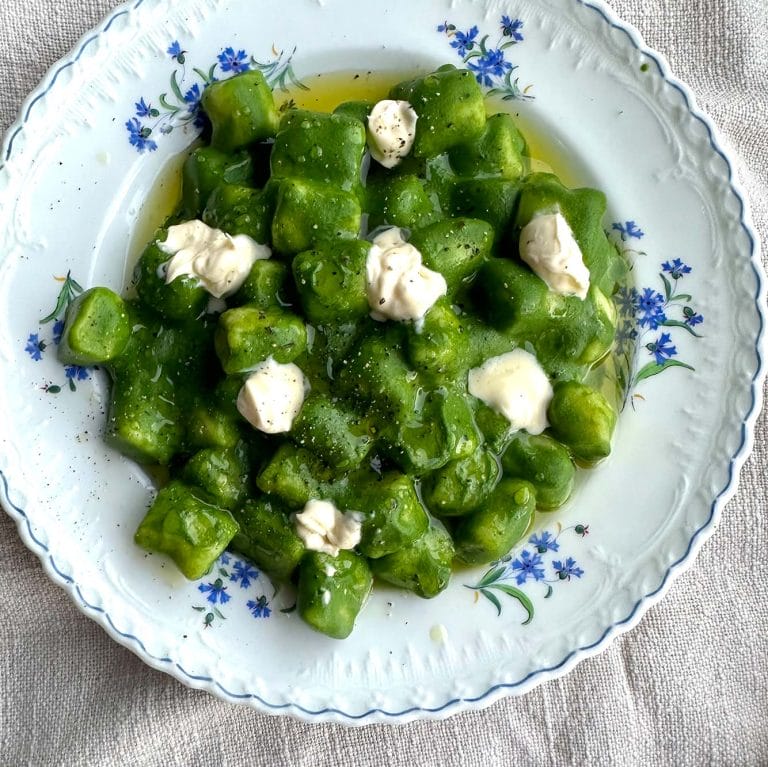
689 685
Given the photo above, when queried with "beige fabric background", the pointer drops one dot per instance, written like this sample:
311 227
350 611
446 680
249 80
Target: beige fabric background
688 686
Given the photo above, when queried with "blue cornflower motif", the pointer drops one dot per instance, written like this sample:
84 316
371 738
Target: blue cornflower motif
233 62
544 542
492 64
691 317
661 348
464 41
628 229
225 559
35 347
259 608
676 269
446 27
58 329
568 570
527 566
175 51
192 99
76 373
626 332
650 305
142 108
627 300
509 28
139 135
244 573
216 591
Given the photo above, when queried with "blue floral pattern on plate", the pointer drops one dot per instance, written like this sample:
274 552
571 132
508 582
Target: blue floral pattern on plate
226 583
488 61
535 564
648 317
36 344
180 105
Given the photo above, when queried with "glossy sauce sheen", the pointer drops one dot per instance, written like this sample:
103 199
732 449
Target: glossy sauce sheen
325 92
382 425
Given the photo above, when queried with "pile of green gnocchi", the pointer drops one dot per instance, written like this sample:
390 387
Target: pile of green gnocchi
363 345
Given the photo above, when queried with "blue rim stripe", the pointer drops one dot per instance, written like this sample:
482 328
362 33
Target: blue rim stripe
641 603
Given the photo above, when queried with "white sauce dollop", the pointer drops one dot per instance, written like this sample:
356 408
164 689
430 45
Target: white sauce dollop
548 246
218 261
398 285
272 396
322 527
515 385
391 131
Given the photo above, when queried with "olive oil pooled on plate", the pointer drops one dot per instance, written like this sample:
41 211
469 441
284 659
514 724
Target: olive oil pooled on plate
324 92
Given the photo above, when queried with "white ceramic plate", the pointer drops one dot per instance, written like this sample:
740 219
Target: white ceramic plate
78 169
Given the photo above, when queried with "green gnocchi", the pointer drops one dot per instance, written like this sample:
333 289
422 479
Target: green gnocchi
371 365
